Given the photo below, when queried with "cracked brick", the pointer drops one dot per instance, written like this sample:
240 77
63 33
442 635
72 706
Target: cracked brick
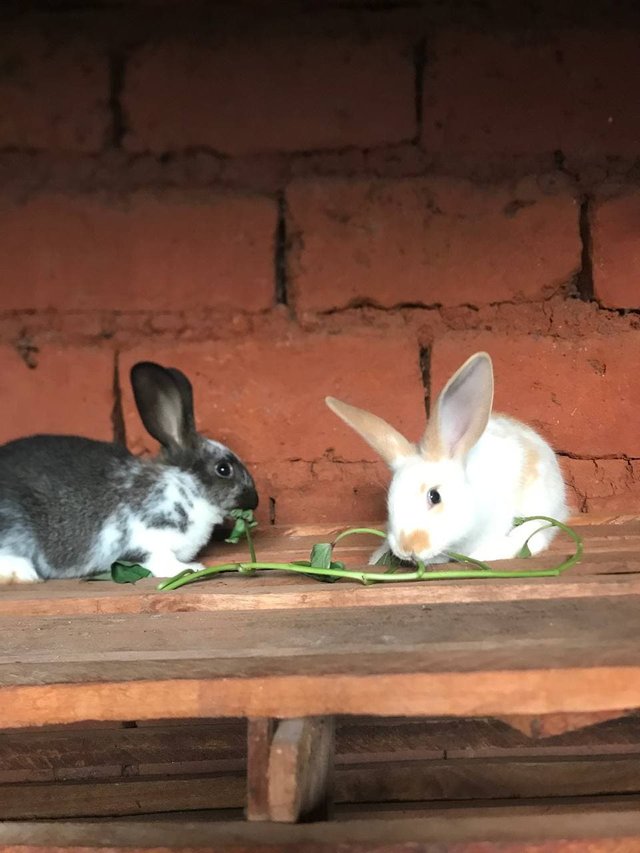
497 96
616 251
269 94
264 398
54 93
582 394
428 242
69 391
144 251
604 486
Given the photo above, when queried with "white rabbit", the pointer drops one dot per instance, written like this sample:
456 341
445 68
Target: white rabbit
472 473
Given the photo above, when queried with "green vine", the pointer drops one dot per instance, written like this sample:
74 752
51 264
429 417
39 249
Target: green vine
322 566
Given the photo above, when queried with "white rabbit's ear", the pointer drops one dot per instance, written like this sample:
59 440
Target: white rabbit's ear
385 440
462 411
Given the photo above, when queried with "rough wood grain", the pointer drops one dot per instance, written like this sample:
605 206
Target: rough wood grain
259 736
547 725
210 745
301 770
535 830
293 795
610 568
530 657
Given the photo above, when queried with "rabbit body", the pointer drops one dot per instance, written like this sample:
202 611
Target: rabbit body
460 489
484 495
71 506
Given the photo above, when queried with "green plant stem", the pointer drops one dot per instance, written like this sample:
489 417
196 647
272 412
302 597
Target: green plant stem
517 522
363 577
482 570
352 531
252 549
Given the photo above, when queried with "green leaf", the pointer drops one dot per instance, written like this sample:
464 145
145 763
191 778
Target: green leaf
103 576
123 572
525 551
321 555
388 559
244 521
326 578
321 559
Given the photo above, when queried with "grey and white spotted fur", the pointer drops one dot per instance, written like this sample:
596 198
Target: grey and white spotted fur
71 506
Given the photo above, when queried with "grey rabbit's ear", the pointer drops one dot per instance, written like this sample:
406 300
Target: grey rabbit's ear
164 398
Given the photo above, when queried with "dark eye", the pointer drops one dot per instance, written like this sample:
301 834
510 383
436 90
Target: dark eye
433 496
224 469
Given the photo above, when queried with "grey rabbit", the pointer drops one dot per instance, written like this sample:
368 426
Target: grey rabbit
71 506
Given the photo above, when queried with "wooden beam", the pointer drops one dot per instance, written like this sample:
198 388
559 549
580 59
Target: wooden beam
561 829
301 770
549 725
294 793
259 736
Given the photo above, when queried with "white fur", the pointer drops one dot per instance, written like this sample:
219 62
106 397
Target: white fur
480 497
169 549
15 569
487 469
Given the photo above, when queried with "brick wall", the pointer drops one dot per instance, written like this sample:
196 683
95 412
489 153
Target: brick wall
295 199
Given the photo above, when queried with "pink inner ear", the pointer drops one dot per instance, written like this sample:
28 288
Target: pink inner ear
465 407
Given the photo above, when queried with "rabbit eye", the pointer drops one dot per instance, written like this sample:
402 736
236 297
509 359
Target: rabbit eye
433 496
224 470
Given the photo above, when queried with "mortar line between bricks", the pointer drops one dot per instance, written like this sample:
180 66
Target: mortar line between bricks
605 457
419 64
116 85
117 414
584 279
425 372
280 253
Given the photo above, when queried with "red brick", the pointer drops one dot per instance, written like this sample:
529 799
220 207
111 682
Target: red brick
285 94
604 486
582 394
166 252
616 251
506 95
53 94
70 391
428 241
265 400
322 491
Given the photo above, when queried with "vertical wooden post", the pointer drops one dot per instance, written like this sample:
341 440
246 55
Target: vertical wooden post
290 769
259 734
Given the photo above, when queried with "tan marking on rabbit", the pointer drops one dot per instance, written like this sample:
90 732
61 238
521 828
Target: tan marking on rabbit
415 542
530 467
465 450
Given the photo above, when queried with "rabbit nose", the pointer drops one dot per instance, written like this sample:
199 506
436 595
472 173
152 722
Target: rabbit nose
248 499
415 543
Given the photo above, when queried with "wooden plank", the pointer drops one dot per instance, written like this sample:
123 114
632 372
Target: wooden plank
606 578
210 746
57 751
487 779
547 725
540 830
115 797
453 780
259 736
301 770
611 567
462 660
389 739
